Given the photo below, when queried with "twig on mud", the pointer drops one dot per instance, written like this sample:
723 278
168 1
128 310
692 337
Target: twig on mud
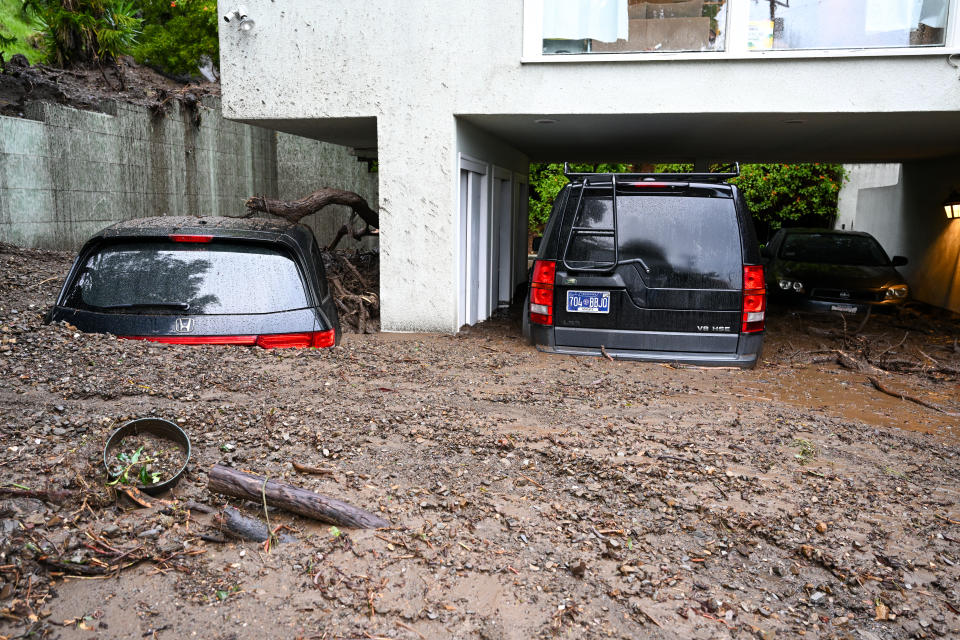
318 471
271 536
409 628
848 361
531 480
946 519
606 355
896 346
905 396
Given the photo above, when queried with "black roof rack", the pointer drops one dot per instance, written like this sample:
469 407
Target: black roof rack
665 177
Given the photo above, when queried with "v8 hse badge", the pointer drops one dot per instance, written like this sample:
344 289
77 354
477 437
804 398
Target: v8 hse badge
713 328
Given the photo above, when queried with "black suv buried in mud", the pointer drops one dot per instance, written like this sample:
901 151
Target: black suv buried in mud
657 267
207 280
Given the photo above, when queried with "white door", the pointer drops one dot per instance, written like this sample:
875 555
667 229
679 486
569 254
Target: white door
474 243
521 205
502 239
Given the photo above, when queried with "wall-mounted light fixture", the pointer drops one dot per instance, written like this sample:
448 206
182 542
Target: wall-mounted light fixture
239 15
951 206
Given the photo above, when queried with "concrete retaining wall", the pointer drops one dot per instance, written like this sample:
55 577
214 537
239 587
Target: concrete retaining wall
66 173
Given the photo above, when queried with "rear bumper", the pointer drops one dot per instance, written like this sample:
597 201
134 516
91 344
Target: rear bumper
835 306
749 348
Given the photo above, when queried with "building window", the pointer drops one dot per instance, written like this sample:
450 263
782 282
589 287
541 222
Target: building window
627 26
836 24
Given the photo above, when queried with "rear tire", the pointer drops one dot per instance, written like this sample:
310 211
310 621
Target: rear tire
525 315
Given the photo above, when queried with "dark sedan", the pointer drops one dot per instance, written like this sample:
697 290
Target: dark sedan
832 271
202 281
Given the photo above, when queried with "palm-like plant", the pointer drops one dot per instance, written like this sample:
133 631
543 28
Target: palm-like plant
77 31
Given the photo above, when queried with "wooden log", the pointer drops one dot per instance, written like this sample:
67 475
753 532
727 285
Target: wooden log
240 526
240 484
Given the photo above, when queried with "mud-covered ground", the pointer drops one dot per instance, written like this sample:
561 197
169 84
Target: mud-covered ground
530 495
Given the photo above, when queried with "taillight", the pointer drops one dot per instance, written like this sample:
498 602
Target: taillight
317 339
646 184
541 292
244 341
297 340
754 299
186 237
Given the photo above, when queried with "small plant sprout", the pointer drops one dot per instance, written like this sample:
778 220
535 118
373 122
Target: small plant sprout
807 451
127 463
335 532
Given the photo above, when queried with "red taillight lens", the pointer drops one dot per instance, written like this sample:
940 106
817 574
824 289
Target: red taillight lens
753 277
544 272
185 237
645 184
318 339
754 299
245 341
297 340
541 292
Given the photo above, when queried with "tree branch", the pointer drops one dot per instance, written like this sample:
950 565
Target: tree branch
296 210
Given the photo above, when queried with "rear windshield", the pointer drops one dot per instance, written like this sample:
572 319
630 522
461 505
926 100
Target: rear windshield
833 248
186 278
678 241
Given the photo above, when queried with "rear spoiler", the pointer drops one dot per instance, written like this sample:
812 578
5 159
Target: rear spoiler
658 177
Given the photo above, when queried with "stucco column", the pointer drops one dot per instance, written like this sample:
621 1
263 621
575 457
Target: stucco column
418 290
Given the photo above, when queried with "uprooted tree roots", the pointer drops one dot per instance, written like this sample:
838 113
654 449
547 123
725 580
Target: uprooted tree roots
355 293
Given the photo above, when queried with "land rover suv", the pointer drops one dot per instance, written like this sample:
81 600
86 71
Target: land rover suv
657 267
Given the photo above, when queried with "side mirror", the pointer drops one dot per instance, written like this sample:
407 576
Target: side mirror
899 261
536 243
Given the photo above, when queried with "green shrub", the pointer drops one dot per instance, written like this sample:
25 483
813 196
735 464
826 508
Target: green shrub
780 195
17 31
178 34
547 180
76 31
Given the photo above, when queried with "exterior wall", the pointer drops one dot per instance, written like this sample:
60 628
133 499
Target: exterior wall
433 58
861 177
65 173
907 218
416 66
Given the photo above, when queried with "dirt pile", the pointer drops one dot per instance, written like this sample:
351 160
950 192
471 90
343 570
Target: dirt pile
529 495
88 87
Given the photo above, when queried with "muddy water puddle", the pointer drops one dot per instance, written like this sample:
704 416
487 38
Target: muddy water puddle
851 396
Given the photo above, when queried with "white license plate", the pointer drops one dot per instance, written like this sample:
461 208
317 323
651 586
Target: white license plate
588 301
844 308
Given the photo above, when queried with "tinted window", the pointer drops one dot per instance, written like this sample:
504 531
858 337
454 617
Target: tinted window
679 241
833 248
216 278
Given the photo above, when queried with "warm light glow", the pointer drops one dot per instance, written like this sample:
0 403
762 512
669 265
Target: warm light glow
951 206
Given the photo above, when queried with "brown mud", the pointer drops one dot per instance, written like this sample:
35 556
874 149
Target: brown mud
531 496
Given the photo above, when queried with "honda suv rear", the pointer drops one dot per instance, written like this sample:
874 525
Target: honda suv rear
202 281
659 267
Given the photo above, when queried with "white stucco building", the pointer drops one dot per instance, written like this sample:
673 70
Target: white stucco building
456 97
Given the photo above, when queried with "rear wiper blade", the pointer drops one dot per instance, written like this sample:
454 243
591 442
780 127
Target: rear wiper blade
183 306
